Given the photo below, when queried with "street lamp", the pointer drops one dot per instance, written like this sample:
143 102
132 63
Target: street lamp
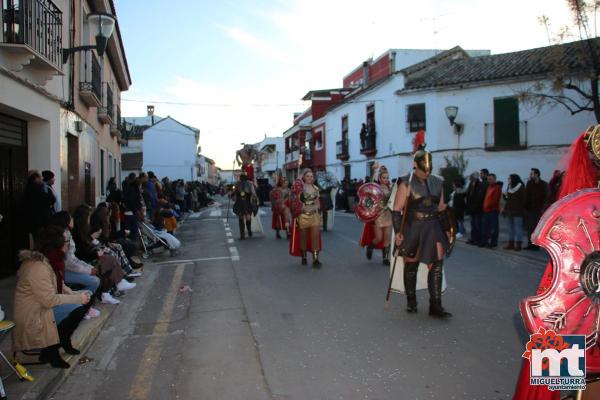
103 25
451 112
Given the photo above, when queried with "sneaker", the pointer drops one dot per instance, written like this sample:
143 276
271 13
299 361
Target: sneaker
134 275
92 313
108 299
124 285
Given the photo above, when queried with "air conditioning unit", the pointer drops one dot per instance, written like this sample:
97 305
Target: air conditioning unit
79 126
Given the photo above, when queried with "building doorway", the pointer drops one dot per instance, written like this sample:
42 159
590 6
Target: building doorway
13 176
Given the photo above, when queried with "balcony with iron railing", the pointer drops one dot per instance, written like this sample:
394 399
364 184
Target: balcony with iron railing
341 150
505 138
106 111
90 86
115 126
31 31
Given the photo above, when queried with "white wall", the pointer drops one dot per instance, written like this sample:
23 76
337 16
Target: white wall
170 150
550 130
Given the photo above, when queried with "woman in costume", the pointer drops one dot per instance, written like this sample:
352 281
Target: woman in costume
280 197
419 234
243 207
583 172
307 222
376 234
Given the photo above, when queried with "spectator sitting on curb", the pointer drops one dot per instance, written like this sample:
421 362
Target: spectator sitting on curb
46 311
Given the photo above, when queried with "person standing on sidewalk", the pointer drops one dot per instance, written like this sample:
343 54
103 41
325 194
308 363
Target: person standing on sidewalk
474 207
457 204
536 196
514 209
491 210
49 180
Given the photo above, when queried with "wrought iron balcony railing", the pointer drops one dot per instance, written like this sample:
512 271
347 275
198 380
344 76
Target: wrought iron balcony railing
90 87
35 25
499 138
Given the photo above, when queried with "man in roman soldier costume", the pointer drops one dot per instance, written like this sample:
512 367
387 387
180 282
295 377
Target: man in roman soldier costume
280 198
243 206
372 209
420 237
568 297
306 233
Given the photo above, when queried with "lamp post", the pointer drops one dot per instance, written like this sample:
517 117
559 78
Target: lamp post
451 112
102 25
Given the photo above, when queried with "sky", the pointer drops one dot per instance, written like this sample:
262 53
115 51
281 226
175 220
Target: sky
237 70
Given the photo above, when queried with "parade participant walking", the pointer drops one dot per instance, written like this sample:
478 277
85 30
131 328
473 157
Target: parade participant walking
376 233
307 230
242 207
279 198
419 234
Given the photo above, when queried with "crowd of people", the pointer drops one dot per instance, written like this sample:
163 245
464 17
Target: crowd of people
484 201
521 203
90 255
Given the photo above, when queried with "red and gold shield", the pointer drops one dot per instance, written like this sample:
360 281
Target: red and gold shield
570 232
295 200
370 197
276 198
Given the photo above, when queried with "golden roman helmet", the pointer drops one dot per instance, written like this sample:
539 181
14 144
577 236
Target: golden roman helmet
423 159
592 142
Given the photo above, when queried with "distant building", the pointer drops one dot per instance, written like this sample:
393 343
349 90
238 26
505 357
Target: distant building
164 146
271 156
493 129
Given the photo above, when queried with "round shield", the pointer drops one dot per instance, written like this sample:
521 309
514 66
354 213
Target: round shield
370 196
571 306
326 180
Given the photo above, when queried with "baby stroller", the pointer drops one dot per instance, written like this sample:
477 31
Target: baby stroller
152 238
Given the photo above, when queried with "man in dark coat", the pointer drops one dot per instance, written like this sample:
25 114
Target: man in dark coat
474 208
37 203
536 195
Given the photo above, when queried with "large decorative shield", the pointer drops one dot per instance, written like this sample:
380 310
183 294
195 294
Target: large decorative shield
570 232
295 197
326 180
370 197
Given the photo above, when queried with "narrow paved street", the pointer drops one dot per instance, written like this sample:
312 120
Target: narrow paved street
258 325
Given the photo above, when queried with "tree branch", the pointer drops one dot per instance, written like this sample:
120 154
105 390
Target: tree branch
577 89
573 108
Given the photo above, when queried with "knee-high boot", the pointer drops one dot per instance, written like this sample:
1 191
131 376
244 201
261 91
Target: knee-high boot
241 224
410 285
434 284
316 262
385 252
249 227
67 326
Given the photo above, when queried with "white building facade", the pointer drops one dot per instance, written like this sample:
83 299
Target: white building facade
496 131
170 149
271 158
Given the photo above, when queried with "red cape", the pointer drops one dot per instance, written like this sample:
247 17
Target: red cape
295 241
368 235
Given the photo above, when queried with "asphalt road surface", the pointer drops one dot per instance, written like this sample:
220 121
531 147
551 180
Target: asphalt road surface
258 325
